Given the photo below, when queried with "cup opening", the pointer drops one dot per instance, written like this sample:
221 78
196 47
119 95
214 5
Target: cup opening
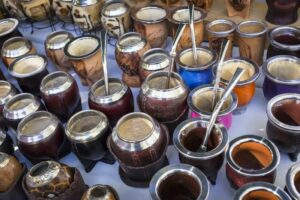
130 40
98 193
151 14
260 194
20 102
15 43
192 138
115 9
84 122
7 26
204 58
252 155
28 65
288 37
55 81
287 111
35 124
221 26
229 67
183 15
159 82
202 100
155 59
114 88
297 181
284 69
5 89
39 169
135 129
83 46
251 27
179 186
58 38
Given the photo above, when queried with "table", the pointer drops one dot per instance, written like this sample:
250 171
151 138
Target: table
253 121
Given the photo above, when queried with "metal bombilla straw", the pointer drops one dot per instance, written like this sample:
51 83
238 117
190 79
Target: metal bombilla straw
179 32
225 44
234 80
103 38
192 30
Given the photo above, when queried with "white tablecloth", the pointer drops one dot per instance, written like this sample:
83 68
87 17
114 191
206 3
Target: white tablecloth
253 121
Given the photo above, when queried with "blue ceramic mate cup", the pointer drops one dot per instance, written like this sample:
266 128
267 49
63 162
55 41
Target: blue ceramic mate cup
282 75
192 74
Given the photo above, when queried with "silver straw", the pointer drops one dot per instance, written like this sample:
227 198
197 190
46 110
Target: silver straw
219 73
234 80
179 32
192 30
104 63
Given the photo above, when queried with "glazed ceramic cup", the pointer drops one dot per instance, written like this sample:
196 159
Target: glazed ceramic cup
48 179
251 40
29 70
179 181
18 107
129 50
181 15
115 105
86 14
37 10
139 144
161 103
245 88
54 47
260 190
196 75
151 23
7 91
284 40
217 31
14 9
40 135
63 10
60 94
115 18
14 48
287 10
10 171
282 75
100 192
293 181
200 104
6 143
282 127
188 137
154 60
88 131
8 29
251 158
85 55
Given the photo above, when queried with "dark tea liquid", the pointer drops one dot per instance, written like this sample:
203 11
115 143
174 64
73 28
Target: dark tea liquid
179 186
288 39
288 112
194 138
252 155
247 160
